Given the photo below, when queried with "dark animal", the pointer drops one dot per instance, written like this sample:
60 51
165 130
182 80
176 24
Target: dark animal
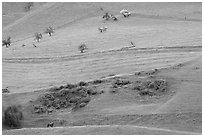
51 124
23 45
131 43
34 45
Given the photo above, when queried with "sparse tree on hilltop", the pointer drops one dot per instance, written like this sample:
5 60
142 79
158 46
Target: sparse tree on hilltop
49 31
7 42
82 47
28 6
38 36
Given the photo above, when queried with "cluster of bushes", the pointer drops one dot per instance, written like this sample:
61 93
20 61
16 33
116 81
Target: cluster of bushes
118 83
121 82
151 88
70 95
12 117
151 72
98 81
5 90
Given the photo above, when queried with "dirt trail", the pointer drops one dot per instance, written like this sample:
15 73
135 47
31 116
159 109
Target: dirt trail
188 98
98 130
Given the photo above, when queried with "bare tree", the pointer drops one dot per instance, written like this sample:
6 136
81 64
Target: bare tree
28 6
82 47
38 36
6 42
113 17
102 29
49 31
106 16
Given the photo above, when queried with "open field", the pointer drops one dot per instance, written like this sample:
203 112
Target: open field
164 40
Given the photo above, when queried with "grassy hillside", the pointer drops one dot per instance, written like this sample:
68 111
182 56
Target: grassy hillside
167 41
59 14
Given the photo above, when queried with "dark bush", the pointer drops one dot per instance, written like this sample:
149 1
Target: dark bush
146 92
82 83
91 91
70 86
53 89
39 109
12 117
82 104
5 90
67 96
85 100
98 81
114 86
122 82
74 100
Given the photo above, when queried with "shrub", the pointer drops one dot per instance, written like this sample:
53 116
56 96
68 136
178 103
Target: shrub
98 81
49 30
122 82
6 42
12 117
113 91
28 6
5 90
85 100
83 104
82 83
91 92
70 86
62 122
146 92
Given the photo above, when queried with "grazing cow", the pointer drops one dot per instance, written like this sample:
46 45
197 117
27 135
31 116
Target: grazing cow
6 42
82 47
34 45
38 36
132 44
49 31
125 13
102 29
51 124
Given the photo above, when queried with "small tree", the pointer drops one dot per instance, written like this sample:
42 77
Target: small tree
12 117
38 36
6 42
106 16
82 47
49 30
28 6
